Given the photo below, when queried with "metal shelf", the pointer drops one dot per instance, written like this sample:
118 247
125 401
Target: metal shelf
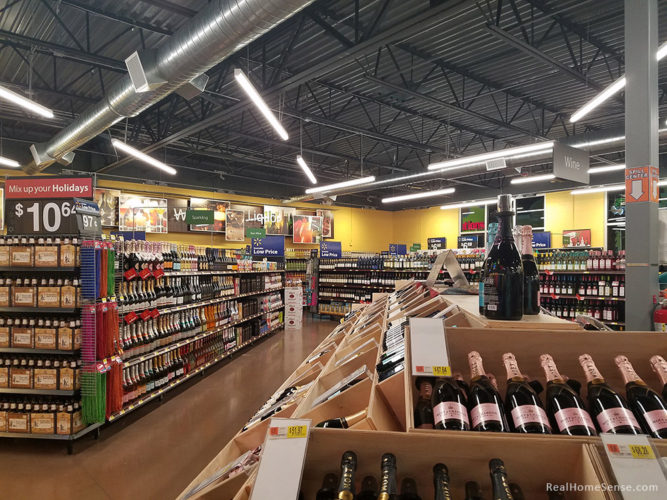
549 272
363 287
142 401
39 392
6 269
581 297
58 437
20 350
53 310
217 273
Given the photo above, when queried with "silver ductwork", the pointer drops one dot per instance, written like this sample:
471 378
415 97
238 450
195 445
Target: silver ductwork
220 29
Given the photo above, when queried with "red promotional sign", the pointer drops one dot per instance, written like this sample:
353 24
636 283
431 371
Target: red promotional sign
641 184
48 187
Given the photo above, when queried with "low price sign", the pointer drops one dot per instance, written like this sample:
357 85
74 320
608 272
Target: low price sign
271 246
330 250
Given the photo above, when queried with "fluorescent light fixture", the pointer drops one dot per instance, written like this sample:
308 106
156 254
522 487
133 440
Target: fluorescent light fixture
143 157
250 89
341 185
600 189
606 168
534 178
662 183
469 204
528 155
426 194
607 93
501 153
304 166
24 102
662 51
6 162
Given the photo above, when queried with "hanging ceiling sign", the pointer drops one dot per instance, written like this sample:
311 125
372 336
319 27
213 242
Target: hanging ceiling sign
570 163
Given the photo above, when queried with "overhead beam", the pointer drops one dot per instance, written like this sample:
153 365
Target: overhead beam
171 7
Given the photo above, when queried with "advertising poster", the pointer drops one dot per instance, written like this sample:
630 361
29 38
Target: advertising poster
307 229
235 225
472 219
177 209
254 215
273 220
219 208
576 237
107 200
137 213
327 223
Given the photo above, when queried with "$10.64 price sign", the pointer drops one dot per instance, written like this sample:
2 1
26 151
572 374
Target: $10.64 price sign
49 216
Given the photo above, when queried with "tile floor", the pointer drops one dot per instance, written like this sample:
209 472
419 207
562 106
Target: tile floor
156 451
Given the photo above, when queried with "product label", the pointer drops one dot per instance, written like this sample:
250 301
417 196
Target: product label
130 274
20 380
45 340
145 273
21 257
4 296
49 297
20 339
449 410
18 423
46 256
490 294
65 339
68 296
64 423
24 298
573 417
612 418
3 421
66 379
67 255
4 337
41 423
656 419
4 377
485 412
529 414
45 379
4 256
158 273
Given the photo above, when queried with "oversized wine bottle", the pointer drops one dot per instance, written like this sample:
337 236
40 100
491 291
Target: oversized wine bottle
608 407
388 487
565 407
531 276
441 482
503 270
501 487
647 405
484 402
523 405
449 405
348 466
659 366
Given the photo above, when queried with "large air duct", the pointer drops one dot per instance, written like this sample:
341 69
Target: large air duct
219 30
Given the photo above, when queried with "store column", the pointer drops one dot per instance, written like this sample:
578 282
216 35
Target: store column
641 143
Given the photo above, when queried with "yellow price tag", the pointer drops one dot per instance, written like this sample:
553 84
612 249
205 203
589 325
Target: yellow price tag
297 431
641 451
442 371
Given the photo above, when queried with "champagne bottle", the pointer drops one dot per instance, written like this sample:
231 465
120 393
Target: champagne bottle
369 489
423 414
449 405
344 422
328 489
484 402
609 408
516 492
565 407
473 491
659 366
523 405
409 489
531 276
501 487
348 466
441 482
388 488
503 270
647 405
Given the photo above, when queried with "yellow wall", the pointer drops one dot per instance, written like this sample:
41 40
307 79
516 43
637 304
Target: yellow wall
564 211
416 226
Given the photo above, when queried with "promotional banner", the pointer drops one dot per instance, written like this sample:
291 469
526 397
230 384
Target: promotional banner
542 239
48 187
437 243
107 200
397 249
472 219
138 213
307 229
254 215
273 220
327 223
235 227
330 250
271 246
219 208
176 211
576 237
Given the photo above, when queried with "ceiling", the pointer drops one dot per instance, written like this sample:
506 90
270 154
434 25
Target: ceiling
366 87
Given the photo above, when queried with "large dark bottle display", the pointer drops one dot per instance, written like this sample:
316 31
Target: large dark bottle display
607 407
648 406
503 270
523 405
531 275
565 407
484 402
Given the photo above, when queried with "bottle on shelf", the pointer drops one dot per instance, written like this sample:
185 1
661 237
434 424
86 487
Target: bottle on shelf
328 488
523 405
499 482
449 405
608 407
503 270
344 422
423 414
531 275
649 408
441 482
348 467
473 491
388 486
484 402
564 405
659 366
409 489
369 489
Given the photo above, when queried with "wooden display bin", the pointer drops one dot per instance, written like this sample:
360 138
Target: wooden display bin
530 463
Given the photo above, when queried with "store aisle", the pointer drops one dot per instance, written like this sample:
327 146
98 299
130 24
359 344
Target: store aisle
155 454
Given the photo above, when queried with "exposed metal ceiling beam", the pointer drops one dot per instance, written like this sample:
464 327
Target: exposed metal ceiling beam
172 7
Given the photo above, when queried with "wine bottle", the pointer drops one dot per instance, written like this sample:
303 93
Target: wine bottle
609 408
484 402
423 414
501 487
531 276
369 489
449 405
348 466
659 366
503 270
409 489
523 405
647 405
565 407
344 422
441 482
388 488
473 491
516 492
328 489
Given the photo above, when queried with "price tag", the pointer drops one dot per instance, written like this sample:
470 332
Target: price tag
144 273
45 216
145 314
130 274
429 355
282 460
636 468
